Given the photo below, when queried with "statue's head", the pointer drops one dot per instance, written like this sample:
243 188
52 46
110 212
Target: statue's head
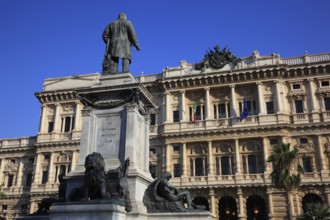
167 175
122 16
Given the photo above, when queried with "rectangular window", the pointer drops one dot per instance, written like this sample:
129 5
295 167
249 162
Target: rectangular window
217 163
67 123
303 140
222 110
327 104
28 180
228 110
176 116
296 86
255 164
47 156
299 106
225 166
270 108
31 160
177 170
50 126
325 83
44 177
24 207
273 141
10 180
176 149
191 167
152 119
307 164
199 167
198 113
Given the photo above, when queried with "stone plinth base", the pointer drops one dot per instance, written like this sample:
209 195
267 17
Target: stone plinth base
33 217
181 216
87 211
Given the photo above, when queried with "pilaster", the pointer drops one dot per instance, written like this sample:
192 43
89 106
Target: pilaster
168 157
207 106
279 96
241 205
167 107
51 174
233 103
183 106
261 100
36 172
212 201
57 119
312 100
19 175
210 159
266 146
237 158
43 118
184 159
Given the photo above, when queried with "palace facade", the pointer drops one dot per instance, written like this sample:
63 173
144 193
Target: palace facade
197 134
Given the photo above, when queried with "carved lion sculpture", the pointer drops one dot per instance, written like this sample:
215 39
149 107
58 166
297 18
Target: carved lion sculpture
95 177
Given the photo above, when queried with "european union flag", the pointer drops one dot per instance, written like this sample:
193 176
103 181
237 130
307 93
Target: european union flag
245 113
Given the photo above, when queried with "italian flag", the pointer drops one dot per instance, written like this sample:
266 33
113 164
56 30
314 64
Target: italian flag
194 111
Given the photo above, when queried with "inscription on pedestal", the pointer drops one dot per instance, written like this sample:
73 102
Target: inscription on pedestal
108 136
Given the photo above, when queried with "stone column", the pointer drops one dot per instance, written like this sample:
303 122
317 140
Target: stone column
237 158
241 207
183 106
270 203
2 166
266 146
261 100
279 96
36 172
51 174
298 204
147 143
19 173
311 92
320 153
212 201
77 117
57 119
207 104
291 205
233 103
74 160
43 122
167 107
184 159
168 157
210 159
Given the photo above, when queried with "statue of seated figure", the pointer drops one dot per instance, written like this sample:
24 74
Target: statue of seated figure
161 196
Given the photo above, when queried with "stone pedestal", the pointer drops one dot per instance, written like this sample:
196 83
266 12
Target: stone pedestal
116 124
87 211
181 216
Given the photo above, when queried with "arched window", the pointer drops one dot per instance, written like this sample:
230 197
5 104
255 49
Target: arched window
310 199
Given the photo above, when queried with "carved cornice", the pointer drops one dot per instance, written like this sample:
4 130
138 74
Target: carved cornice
56 96
244 133
269 73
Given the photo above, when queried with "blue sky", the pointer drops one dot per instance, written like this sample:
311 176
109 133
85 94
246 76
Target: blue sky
52 38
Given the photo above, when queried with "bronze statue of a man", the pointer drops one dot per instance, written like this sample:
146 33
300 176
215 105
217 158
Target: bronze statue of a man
119 37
